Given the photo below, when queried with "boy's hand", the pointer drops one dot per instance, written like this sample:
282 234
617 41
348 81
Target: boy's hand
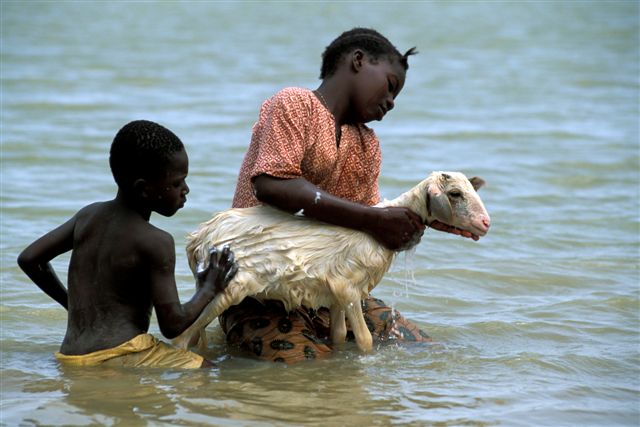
221 269
396 228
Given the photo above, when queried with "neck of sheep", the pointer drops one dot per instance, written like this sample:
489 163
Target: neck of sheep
414 199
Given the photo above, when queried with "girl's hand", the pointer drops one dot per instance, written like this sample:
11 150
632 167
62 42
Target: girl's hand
396 228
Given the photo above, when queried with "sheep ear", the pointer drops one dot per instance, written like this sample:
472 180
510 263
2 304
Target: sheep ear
438 205
477 182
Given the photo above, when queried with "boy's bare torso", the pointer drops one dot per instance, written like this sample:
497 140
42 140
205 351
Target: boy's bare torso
109 276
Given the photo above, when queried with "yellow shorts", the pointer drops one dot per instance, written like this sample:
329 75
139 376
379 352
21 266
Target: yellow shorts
143 350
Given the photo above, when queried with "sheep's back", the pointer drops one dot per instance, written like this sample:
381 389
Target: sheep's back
290 258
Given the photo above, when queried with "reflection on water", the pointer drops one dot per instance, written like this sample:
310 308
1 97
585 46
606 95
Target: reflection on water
535 324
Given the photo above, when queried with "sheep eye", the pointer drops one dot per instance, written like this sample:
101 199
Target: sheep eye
455 193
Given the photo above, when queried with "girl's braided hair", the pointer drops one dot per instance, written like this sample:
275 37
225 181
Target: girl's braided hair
366 39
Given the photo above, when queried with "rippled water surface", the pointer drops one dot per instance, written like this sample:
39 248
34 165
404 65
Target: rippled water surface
536 324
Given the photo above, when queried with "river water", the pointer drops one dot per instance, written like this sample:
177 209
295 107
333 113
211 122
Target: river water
537 324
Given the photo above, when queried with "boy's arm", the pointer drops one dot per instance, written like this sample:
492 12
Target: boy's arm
174 317
393 227
35 260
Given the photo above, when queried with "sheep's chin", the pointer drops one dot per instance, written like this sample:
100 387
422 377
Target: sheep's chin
453 229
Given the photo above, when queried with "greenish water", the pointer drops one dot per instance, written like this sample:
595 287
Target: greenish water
537 324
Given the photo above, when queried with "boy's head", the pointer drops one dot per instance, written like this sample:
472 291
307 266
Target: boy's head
142 149
149 161
369 41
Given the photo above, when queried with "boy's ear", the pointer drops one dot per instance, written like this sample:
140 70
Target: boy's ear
141 188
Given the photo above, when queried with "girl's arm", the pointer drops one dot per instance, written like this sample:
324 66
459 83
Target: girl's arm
393 227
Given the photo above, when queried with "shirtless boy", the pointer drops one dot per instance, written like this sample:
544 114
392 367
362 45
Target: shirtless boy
121 266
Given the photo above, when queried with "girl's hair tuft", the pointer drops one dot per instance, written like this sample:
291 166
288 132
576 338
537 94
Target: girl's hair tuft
366 39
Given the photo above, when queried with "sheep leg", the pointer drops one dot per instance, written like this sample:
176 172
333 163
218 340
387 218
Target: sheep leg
356 319
338 324
202 341
195 333
189 339
182 341
197 337
221 302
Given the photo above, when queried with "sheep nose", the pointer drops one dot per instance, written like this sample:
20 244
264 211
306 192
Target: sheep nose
486 222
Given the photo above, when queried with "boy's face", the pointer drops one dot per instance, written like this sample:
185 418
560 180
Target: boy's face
376 85
168 194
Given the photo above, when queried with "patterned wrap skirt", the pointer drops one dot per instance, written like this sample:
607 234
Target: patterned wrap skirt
265 330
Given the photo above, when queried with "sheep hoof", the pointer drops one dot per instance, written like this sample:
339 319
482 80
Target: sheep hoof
365 345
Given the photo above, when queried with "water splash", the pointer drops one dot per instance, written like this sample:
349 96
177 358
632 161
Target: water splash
409 274
409 269
394 332
409 279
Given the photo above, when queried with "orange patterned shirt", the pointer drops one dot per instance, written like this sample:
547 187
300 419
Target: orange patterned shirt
294 137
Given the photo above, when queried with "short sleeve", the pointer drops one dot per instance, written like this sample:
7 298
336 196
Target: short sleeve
280 136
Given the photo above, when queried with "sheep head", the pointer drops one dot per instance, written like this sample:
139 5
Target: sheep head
449 198
452 199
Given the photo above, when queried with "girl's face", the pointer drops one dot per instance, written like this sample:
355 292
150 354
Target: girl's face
169 193
376 85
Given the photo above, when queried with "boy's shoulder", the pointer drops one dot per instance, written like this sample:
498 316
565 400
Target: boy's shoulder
112 218
93 208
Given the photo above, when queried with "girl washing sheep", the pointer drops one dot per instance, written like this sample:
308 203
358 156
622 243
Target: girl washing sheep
311 154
